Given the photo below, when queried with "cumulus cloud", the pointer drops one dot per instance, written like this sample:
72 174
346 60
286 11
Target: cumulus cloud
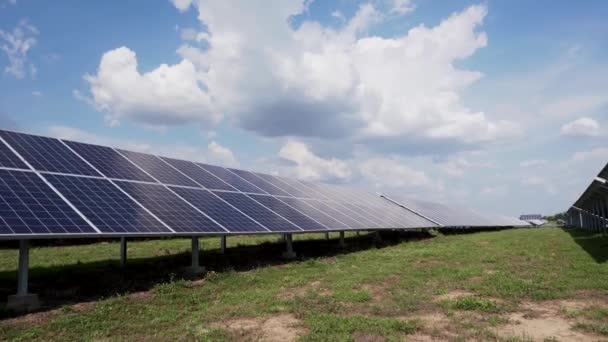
221 155
309 166
581 127
16 45
598 153
401 7
269 77
391 173
541 182
170 94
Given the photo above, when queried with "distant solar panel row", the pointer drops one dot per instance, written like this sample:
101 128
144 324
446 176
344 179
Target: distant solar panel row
68 187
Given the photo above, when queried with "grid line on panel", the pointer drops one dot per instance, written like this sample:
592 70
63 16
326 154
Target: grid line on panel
220 211
106 205
301 220
198 174
29 206
258 212
158 169
291 190
331 209
47 154
231 178
9 159
109 162
259 182
169 207
314 213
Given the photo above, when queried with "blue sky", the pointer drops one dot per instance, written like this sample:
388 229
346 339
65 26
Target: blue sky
498 105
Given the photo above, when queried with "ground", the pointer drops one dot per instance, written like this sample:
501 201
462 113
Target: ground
540 284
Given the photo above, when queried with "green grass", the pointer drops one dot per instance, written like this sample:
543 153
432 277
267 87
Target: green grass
335 294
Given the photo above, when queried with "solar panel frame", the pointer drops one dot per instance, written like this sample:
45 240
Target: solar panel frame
325 219
179 214
28 201
231 178
107 206
276 181
302 220
270 219
158 169
227 215
47 154
259 182
106 159
9 159
201 176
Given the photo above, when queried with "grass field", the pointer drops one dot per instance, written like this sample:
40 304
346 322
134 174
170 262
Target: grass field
520 284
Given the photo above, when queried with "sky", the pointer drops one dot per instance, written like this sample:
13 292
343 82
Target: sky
501 106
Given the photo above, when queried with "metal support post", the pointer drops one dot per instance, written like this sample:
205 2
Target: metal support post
223 244
342 244
289 253
195 269
23 301
123 251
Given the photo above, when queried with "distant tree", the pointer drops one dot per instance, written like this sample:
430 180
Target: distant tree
555 217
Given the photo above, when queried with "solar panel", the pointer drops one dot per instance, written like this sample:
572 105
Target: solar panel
47 154
109 162
314 213
258 212
29 206
170 208
158 169
10 159
335 211
259 182
290 189
232 179
110 210
198 174
301 220
221 212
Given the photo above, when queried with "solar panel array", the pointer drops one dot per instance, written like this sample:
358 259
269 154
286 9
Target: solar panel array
454 216
51 187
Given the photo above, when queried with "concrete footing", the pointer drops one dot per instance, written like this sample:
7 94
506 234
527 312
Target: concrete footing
289 253
341 242
195 269
23 302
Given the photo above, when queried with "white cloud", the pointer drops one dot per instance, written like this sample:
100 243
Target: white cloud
401 7
598 153
539 182
496 191
581 127
568 106
391 173
37 93
309 166
278 80
221 155
170 94
533 163
16 45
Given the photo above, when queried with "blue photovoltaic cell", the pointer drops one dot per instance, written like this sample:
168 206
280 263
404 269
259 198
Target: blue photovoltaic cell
47 154
170 208
293 191
315 213
369 214
232 179
201 176
224 214
10 159
260 183
338 213
110 210
258 212
109 162
301 220
29 206
158 169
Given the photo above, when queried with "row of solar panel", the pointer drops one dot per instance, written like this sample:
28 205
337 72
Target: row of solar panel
83 188
455 216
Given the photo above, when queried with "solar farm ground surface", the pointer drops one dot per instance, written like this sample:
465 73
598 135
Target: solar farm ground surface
515 285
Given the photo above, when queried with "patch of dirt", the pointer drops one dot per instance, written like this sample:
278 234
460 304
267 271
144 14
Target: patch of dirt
378 291
539 321
315 286
36 318
282 328
360 337
455 294
434 327
141 295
